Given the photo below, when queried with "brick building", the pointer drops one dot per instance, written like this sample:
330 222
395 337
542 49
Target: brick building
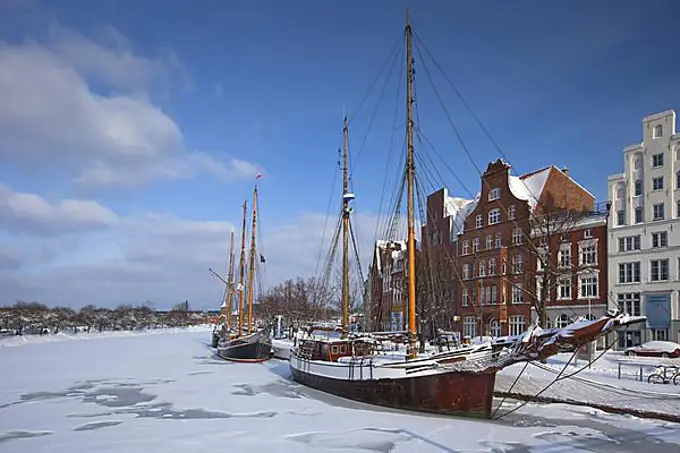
387 281
498 250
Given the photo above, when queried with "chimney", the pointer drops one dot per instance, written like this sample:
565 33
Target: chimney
565 170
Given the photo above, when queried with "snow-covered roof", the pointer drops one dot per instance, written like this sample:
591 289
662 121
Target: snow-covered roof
458 209
382 245
529 187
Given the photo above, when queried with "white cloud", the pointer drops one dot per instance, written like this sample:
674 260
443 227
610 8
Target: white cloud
154 256
51 114
27 212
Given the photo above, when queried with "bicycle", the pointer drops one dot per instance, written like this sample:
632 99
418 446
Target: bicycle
661 375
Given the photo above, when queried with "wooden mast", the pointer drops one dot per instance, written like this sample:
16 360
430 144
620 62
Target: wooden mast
228 301
252 263
345 234
242 270
410 173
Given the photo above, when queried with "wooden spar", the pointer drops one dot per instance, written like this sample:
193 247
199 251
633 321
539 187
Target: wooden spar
252 264
410 173
345 235
228 301
242 269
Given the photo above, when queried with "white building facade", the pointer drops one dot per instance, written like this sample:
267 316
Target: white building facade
644 232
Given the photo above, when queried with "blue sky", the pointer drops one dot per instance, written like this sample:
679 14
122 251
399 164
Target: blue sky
172 108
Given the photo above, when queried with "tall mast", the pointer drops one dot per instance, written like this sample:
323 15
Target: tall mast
345 234
229 300
410 173
252 263
242 270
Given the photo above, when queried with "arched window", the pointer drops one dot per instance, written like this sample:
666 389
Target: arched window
494 328
562 321
637 162
658 131
620 191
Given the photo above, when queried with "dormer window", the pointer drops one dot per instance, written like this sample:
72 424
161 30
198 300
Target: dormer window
657 131
494 194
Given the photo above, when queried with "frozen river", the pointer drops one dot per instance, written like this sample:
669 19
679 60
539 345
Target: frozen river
168 393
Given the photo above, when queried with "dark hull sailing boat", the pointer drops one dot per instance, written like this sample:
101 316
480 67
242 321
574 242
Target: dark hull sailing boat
459 383
254 346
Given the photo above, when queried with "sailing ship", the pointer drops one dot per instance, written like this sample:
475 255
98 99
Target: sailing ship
254 346
223 328
460 382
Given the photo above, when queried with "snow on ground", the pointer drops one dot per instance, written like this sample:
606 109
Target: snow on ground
169 393
598 384
10 340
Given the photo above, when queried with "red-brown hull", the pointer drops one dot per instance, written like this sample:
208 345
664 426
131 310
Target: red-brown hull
454 393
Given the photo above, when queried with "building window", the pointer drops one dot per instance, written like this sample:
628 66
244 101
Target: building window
564 256
466 271
588 234
621 192
629 303
482 269
588 255
659 270
677 209
492 266
562 321
541 257
499 240
660 239
564 288
479 221
517 293
659 334
512 211
466 297
587 287
657 132
658 211
475 245
657 160
466 247
489 242
517 264
470 326
517 236
629 272
494 194
494 328
621 217
657 183
638 187
494 216
518 324
629 243
639 215
494 295
677 180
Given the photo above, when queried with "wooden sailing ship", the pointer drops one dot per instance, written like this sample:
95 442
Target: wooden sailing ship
460 382
223 329
253 346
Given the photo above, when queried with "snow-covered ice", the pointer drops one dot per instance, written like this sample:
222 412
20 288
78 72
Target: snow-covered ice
168 393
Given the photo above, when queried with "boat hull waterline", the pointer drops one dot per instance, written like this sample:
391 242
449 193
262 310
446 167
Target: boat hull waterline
253 348
458 393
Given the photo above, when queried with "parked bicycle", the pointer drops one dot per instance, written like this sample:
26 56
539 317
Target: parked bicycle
664 374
